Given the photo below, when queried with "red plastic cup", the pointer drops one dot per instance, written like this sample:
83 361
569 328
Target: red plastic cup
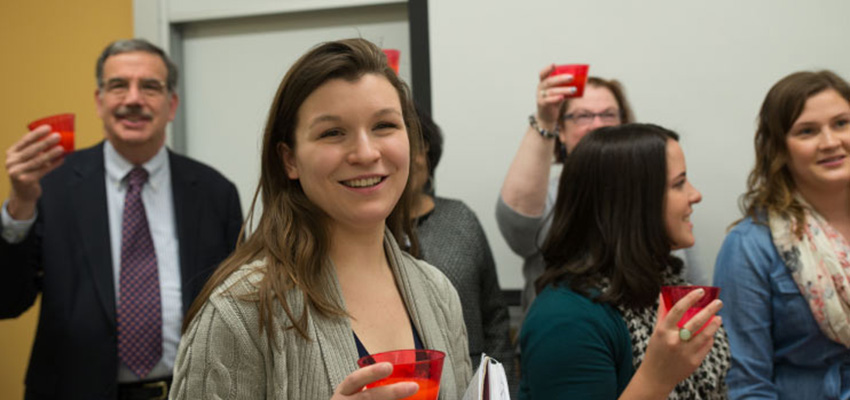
62 124
421 366
672 294
392 58
579 73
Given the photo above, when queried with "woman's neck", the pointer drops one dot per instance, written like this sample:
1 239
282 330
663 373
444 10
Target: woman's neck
358 251
423 204
832 203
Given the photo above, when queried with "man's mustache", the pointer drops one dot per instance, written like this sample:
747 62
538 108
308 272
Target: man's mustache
132 112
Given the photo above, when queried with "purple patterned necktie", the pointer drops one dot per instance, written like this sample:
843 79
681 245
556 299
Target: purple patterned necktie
139 307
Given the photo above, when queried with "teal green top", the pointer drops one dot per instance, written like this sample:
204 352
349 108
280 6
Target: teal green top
573 348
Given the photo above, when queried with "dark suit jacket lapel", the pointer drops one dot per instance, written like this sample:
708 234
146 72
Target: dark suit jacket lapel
87 191
186 214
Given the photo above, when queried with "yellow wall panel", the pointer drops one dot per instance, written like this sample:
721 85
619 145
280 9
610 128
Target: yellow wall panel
48 50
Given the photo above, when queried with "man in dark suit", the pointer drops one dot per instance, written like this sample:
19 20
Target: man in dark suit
118 238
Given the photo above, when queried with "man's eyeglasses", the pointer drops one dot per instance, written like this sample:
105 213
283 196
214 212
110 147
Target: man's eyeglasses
147 87
585 118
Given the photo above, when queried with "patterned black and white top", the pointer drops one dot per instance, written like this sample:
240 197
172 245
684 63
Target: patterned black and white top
708 382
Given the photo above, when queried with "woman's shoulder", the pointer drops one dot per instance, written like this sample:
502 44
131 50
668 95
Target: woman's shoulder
562 303
559 314
454 211
450 203
236 301
425 273
231 307
748 250
563 294
244 281
751 233
750 225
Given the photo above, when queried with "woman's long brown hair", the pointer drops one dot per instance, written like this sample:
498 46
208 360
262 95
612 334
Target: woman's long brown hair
292 233
609 217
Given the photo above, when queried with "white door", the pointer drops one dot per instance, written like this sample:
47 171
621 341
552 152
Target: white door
232 68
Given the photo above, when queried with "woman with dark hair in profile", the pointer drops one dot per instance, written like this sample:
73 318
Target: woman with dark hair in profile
529 192
322 281
784 269
451 238
596 329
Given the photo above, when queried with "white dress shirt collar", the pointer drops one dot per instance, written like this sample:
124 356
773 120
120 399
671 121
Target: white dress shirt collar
117 167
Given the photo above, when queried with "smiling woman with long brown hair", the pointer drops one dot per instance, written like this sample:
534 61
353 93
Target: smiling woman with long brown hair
322 280
784 268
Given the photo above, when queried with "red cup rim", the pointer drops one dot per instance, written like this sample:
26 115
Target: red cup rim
674 293
691 287
56 121
433 355
581 68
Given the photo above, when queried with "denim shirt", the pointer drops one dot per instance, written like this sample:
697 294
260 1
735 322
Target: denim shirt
778 350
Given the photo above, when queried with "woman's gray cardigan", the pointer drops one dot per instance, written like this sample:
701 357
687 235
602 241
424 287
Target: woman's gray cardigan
223 355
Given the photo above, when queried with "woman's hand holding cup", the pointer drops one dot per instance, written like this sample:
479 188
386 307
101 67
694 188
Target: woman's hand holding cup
352 387
674 353
551 92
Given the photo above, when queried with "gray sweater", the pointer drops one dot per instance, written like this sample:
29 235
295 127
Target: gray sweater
525 234
223 355
452 239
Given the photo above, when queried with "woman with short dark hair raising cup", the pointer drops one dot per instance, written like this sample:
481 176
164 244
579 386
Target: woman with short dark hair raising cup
528 192
784 269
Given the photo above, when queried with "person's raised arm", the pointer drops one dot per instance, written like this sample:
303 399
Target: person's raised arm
27 161
525 186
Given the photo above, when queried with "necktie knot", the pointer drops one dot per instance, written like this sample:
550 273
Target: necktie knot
137 177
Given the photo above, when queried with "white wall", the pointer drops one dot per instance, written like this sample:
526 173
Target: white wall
700 68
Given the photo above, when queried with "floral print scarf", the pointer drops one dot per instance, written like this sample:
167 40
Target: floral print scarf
820 265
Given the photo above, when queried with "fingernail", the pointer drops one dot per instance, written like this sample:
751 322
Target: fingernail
572 89
701 292
410 388
386 368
